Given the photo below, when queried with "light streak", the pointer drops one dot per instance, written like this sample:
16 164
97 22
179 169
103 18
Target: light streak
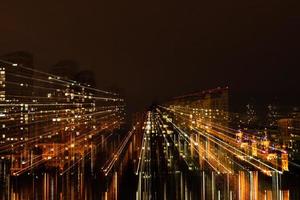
215 131
40 109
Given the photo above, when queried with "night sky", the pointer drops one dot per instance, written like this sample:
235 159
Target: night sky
153 50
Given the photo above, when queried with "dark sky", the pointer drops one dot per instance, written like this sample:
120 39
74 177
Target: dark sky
153 50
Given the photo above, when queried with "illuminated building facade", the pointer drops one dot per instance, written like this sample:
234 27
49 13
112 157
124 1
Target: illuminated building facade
14 87
210 105
289 130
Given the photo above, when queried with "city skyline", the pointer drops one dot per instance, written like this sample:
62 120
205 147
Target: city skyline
55 127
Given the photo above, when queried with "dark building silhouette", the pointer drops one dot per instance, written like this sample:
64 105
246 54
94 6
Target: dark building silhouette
10 75
20 57
66 69
86 77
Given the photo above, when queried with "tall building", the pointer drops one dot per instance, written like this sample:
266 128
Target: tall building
16 85
290 136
